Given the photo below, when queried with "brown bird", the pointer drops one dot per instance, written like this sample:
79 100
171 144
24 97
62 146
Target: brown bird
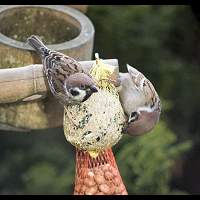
140 102
66 78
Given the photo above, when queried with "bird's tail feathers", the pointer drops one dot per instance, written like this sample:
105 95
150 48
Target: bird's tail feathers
37 44
132 70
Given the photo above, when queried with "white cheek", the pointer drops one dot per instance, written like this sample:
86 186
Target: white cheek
147 109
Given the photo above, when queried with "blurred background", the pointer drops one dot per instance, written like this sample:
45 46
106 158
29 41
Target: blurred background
163 42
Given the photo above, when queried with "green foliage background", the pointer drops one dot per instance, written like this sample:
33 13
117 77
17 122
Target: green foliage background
163 43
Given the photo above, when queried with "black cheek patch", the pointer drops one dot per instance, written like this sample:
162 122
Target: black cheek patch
74 92
133 117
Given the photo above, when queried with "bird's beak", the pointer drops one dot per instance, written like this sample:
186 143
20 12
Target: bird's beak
89 92
94 89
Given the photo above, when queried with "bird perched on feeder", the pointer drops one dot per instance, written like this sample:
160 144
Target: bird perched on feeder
66 78
140 102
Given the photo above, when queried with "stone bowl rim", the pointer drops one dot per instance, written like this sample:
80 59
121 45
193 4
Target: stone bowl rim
85 35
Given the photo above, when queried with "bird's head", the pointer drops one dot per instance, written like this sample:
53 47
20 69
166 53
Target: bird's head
142 122
80 86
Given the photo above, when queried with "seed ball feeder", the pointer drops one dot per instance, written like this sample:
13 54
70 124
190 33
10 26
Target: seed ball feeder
97 123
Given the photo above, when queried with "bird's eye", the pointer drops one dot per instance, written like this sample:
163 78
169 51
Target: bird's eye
74 92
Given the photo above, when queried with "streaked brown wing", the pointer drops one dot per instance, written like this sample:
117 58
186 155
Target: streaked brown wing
57 68
67 65
55 82
150 92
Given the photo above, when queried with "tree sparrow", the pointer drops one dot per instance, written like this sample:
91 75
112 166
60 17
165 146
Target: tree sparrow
140 102
66 77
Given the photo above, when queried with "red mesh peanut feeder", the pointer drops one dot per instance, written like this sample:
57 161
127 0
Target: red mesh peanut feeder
93 127
97 176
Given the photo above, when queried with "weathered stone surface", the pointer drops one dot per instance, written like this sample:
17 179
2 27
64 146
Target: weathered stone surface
44 113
